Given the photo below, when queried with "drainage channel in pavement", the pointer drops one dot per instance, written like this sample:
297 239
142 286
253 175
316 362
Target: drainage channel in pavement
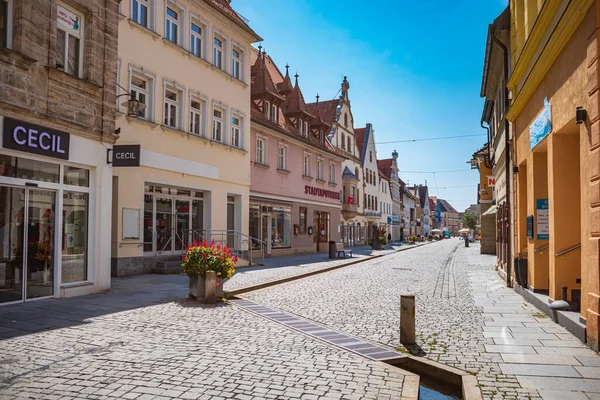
355 345
438 381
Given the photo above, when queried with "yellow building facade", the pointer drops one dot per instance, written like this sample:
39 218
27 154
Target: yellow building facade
556 152
188 63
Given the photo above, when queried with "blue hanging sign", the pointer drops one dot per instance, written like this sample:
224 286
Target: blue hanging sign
541 126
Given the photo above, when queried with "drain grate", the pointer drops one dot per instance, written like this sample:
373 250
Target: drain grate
349 343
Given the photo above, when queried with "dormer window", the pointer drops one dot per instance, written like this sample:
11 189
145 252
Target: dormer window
300 126
267 110
305 128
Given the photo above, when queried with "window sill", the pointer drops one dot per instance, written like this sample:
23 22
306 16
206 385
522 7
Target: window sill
321 180
72 80
261 165
333 184
227 146
76 284
122 16
228 76
175 46
283 171
152 125
13 57
147 31
307 177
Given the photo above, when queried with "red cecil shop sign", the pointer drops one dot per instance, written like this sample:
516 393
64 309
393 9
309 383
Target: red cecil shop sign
315 191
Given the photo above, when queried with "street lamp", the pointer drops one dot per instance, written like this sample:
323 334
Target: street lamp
133 105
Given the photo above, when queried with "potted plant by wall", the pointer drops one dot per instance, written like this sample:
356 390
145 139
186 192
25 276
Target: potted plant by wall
202 257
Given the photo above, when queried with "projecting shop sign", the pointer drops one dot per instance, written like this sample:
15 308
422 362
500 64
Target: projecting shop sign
541 211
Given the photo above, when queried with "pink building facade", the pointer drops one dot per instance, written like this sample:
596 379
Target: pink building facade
295 190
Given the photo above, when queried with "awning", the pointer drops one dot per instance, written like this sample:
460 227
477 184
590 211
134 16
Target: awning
490 211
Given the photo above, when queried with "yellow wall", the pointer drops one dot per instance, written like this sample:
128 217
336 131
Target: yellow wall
537 188
564 212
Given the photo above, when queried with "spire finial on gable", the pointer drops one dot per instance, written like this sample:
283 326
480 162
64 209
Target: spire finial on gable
318 98
296 76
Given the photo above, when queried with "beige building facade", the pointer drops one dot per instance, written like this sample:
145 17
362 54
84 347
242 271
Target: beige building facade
188 63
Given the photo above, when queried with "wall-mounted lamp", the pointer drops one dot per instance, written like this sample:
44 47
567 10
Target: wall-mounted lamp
133 105
474 163
515 169
580 115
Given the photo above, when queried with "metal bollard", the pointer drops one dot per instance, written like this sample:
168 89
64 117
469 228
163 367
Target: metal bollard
407 319
210 288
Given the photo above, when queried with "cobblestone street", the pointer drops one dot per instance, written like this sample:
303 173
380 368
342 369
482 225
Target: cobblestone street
466 318
144 341
178 349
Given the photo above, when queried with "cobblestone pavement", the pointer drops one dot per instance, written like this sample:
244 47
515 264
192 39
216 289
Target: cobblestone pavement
466 318
277 268
126 346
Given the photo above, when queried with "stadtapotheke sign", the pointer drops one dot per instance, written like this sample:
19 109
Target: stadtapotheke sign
35 139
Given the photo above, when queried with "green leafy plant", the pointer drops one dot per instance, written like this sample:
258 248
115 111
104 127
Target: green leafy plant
469 220
202 257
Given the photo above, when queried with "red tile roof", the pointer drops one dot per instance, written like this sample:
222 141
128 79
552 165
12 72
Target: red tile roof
285 86
359 134
261 82
327 109
385 167
295 101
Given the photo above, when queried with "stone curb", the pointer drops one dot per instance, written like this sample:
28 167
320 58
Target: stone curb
232 293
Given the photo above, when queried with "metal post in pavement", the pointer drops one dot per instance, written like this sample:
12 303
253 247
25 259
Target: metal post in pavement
407 319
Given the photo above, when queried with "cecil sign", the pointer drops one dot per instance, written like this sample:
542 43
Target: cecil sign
321 192
35 139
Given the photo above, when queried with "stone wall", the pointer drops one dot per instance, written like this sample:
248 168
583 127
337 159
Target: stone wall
32 88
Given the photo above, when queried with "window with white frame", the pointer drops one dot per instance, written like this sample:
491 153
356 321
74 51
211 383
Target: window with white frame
261 149
267 110
236 63
236 131
197 116
140 87
300 127
274 113
306 170
172 99
217 125
6 23
140 12
320 169
349 144
331 173
218 46
69 41
305 128
196 39
173 24
282 157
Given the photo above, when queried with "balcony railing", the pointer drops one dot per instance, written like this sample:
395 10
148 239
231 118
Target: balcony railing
349 207
373 214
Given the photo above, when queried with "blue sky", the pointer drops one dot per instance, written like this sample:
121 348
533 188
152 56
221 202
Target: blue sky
414 69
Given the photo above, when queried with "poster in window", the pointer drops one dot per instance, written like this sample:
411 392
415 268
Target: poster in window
69 21
541 210
131 223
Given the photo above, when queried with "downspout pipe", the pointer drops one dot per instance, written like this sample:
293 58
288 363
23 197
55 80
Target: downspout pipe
508 164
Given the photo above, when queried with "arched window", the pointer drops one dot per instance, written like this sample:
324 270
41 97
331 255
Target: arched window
343 141
349 144
356 172
345 120
371 156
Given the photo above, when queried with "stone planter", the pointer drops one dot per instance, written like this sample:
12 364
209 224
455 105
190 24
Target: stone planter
197 288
